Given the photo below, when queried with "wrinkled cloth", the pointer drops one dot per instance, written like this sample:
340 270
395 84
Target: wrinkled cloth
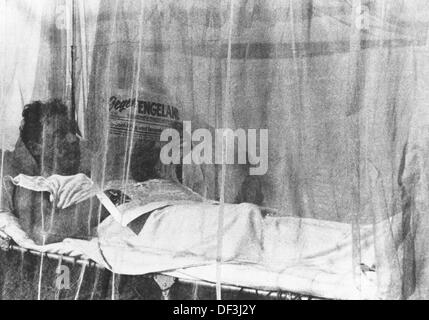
57 193
305 256
299 279
180 236
20 219
181 230
175 237
150 195
327 247
82 186
38 216
297 254
301 255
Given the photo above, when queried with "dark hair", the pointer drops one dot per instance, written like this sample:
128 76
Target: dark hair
33 116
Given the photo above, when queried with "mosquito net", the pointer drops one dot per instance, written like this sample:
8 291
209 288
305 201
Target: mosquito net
340 86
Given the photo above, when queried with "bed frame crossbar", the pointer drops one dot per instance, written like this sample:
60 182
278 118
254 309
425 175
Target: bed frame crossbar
164 281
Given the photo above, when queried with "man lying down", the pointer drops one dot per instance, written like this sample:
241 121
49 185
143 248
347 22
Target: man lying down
48 197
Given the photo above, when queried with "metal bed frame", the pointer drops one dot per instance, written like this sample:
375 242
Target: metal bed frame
165 282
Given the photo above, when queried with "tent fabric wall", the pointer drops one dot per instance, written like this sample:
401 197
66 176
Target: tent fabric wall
302 84
341 86
18 63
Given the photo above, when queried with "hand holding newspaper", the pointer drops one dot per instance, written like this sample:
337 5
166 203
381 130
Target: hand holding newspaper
70 190
67 190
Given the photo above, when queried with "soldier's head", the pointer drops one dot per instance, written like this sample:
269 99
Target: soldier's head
50 135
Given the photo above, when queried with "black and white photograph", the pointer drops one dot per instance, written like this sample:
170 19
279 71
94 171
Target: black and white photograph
214 150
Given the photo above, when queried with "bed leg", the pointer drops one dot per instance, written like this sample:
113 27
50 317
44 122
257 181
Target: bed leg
165 283
5 243
195 291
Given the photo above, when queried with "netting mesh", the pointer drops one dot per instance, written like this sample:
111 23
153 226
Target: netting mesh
341 86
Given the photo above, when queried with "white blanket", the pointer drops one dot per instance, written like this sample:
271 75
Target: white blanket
301 255
181 236
304 256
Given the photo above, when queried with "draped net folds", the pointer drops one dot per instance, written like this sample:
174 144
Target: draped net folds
341 86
